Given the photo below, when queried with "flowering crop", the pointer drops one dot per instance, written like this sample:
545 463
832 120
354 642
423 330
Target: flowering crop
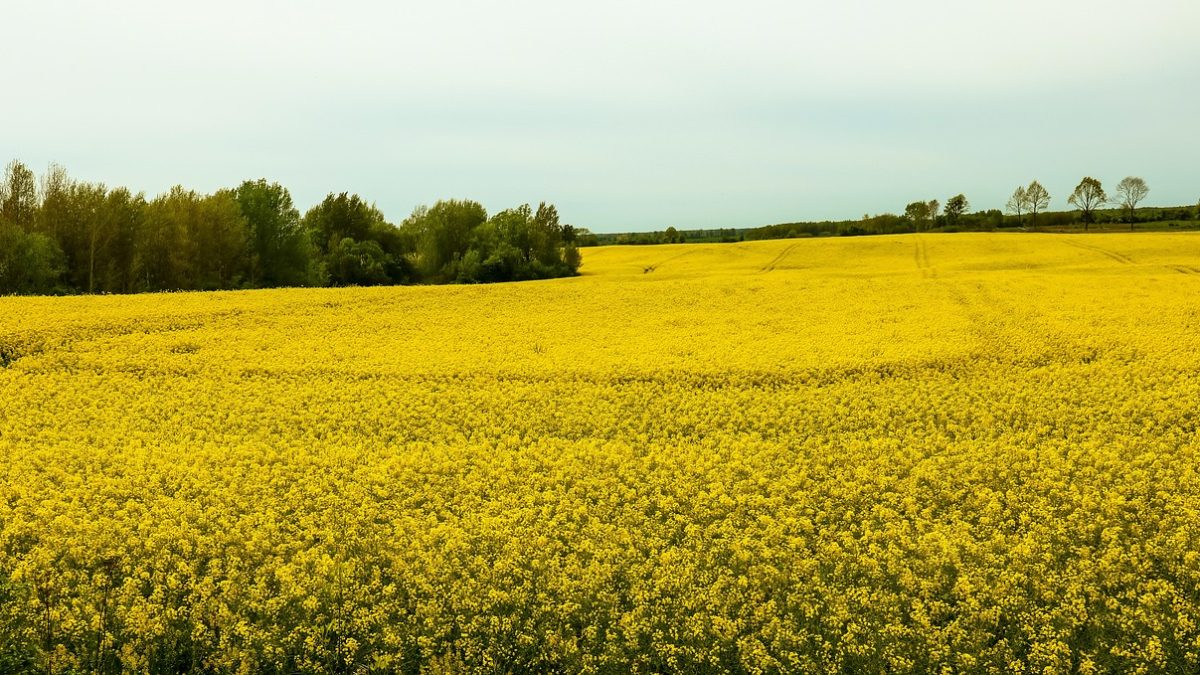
975 452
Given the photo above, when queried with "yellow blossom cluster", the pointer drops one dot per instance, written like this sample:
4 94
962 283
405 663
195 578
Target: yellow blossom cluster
917 453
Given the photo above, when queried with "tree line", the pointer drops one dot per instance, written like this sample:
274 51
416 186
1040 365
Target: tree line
1028 207
61 235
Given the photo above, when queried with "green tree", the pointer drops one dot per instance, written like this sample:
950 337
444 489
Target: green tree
1130 191
83 231
442 235
1088 195
55 195
956 206
193 241
935 208
218 241
918 214
123 212
340 216
280 251
1036 200
358 263
18 196
30 262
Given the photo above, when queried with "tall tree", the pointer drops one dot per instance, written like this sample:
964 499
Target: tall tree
280 252
122 213
1036 200
442 235
1018 203
935 207
1130 191
55 194
82 230
18 196
340 216
1088 195
956 206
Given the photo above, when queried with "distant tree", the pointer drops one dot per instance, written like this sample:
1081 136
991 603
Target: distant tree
123 212
441 235
280 251
18 196
30 262
671 236
935 208
340 216
572 258
1018 203
1088 195
219 242
358 263
83 231
1130 191
918 213
585 237
193 242
54 191
956 206
1036 200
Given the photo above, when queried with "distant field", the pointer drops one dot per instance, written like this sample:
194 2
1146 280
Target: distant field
970 452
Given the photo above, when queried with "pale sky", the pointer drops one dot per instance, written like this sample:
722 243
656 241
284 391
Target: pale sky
627 115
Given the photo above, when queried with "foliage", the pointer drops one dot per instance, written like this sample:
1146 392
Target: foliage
281 253
30 262
1130 191
1088 195
889 454
457 241
956 207
74 236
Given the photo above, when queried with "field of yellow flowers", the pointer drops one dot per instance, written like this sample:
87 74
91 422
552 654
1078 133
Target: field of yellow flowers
972 452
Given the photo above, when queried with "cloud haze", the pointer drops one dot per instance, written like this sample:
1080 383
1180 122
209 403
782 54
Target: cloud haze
628 115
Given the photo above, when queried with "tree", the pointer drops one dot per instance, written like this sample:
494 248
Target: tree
280 251
1036 200
1018 203
935 208
1087 196
1130 191
82 230
18 196
918 213
340 216
358 263
443 234
55 189
956 206
30 262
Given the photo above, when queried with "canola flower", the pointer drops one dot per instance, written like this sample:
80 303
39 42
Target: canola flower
916 453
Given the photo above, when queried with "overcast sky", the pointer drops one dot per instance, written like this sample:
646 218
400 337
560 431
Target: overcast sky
627 115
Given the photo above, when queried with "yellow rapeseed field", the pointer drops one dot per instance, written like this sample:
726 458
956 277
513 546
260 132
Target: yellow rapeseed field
970 452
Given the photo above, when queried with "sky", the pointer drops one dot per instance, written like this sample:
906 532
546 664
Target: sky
626 115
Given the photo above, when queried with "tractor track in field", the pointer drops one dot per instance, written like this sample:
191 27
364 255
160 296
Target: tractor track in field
647 269
770 267
1183 269
1119 258
921 256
